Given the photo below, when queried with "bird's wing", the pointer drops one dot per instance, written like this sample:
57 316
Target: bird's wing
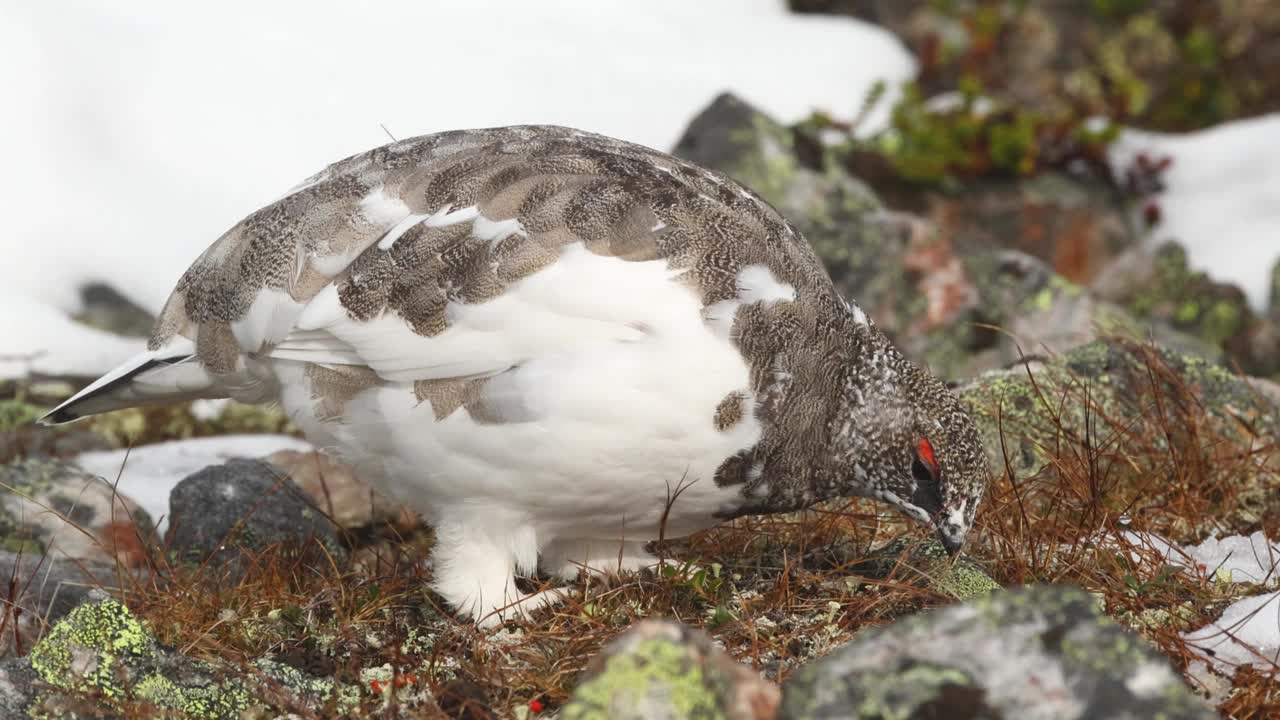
465 253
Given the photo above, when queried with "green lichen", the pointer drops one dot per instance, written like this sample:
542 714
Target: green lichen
926 562
900 694
215 701
88 648
655 674
318 690
101 650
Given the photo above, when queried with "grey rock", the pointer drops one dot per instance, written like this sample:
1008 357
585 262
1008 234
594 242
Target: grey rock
46 589
1041 653
18 687
223 511
661 670
105 308
54 507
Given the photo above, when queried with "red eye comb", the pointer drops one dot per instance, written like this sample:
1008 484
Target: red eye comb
926 453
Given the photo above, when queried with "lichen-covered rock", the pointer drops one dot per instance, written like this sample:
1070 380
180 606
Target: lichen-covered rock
1015 305
924 561
243 505
1111 392
661 670
1120 377
101 661
53 506
1158 285
849 229
1042 652
102 654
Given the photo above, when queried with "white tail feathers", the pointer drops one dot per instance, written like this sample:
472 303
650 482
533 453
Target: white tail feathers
170 374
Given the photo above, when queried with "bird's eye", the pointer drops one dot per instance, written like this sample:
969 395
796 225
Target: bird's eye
928 477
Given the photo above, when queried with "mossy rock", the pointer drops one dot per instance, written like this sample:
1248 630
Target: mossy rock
103 660
1146 411
1115 378
1159 286
838 214
661 669
1043 651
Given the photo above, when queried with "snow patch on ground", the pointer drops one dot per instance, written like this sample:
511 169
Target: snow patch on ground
1241 559
147 473
1223 197
1248 632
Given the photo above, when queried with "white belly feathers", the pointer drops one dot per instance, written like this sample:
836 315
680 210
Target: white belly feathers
599 384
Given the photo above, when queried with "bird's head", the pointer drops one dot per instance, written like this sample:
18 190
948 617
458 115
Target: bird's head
921 451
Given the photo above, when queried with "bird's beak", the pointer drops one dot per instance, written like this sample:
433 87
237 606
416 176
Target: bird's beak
951 543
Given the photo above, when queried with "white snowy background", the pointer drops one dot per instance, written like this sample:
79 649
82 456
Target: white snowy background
134 133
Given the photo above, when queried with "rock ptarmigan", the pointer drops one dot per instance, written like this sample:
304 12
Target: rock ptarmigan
557 346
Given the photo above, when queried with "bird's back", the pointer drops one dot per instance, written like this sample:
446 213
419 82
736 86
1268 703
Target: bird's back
459 216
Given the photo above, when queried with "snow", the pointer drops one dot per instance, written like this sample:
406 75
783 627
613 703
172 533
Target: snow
146 474
1222 200
1234 558
136 133
1242 559
1248 632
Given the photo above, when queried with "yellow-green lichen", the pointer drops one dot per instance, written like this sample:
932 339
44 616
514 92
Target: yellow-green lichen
653 670
926 563
899 695
85 649
101 650
215 701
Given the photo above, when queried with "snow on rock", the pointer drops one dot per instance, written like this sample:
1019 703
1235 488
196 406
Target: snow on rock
149 128
1223 197
147 473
